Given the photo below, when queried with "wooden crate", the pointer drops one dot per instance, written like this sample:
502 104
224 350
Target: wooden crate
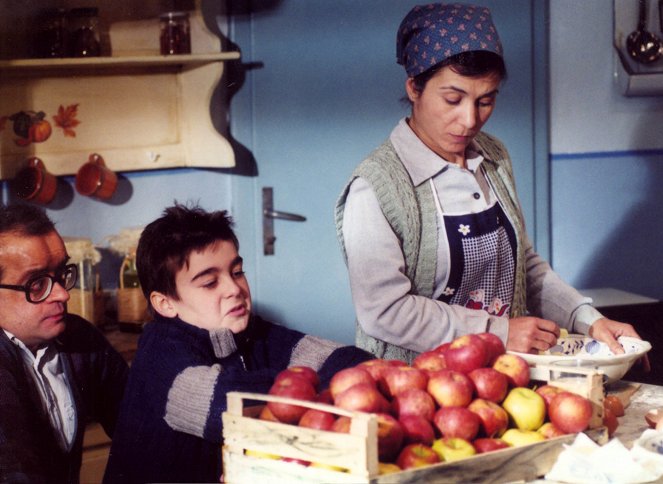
357 452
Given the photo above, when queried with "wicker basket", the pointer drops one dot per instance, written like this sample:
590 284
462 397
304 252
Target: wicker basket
131 303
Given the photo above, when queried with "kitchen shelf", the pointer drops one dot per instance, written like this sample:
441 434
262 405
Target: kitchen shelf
139 110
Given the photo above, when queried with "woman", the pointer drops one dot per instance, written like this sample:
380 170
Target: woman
430 223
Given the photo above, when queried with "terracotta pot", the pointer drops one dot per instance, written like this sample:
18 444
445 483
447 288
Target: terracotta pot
95 179
35 183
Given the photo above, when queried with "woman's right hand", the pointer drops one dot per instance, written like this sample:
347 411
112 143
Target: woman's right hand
528 334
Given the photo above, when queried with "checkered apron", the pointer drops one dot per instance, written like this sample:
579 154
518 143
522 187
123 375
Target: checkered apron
482 250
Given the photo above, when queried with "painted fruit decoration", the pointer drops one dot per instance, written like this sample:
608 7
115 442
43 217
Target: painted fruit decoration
30 127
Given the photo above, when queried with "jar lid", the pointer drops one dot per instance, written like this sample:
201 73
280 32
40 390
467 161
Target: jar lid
173 15
80 249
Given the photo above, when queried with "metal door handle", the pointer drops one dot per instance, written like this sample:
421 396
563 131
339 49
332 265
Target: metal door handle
268 216
283 215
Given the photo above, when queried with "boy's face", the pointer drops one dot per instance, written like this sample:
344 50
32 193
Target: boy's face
213 291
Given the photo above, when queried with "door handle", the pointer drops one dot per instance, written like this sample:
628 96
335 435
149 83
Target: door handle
268 216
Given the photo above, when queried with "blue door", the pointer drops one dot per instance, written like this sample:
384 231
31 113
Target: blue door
324 91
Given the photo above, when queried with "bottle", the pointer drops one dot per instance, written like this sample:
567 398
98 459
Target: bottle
51 34
175 35
84 32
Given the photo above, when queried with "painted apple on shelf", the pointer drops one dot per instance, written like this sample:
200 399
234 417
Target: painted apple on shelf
463 398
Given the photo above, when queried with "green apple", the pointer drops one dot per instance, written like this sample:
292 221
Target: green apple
450 449
526 408
518 438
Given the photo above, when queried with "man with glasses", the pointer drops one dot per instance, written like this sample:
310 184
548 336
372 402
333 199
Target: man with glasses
57 371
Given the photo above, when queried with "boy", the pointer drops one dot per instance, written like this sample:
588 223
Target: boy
203 342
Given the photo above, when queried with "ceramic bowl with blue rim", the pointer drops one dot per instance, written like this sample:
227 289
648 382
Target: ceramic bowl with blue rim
590 351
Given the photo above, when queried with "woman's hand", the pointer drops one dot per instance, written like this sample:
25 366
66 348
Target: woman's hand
530 335
607 331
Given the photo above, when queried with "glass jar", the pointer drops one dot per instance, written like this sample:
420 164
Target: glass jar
51 34
84 38
175 34
81 297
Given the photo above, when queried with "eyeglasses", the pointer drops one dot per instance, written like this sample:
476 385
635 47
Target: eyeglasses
39 288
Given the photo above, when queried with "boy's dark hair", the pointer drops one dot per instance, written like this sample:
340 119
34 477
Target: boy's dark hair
165 244
25 219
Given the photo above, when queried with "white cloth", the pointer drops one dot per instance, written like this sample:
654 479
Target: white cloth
54 388
381 290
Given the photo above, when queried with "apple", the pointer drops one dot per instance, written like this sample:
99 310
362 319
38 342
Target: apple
517 438
325 397
443 347
457 422
526 408
450 388
361 397
466 353
342 425
291 386
417 429
413 401
399 378
610 421
494 419
376 366
548 392
490 384
387 468
514 367
488 444
416 455
430 361
317 419
450 449
494 345
570 412
344 379
614 404
549 431
266 414
304 371
390 437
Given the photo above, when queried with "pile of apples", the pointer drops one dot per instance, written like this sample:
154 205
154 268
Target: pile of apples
463 398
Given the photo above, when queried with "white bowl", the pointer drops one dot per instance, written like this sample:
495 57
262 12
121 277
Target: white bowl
590 352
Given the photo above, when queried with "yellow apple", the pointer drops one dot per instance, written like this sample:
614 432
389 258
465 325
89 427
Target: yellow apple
387 468
526 408
518 438
450 449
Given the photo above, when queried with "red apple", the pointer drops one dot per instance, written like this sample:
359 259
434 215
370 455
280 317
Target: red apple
614 404
399 378
570 412
362 397
291 386
548 392
416 455
549 431
451 388
494 345
344 379
487 444
342 425
390 437
325 397
494 419
443 347
377 365
317 419
514 367
413 401
466 353
490 384
266 414
417 429
304 371
457 422
430 361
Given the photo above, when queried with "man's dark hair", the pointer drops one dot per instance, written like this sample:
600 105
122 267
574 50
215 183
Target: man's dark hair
25 219
165 244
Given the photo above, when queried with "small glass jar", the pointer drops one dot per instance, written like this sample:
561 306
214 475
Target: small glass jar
51 34
81 297
84 32
175 34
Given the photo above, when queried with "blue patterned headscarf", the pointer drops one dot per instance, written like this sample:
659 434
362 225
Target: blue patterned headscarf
432 33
